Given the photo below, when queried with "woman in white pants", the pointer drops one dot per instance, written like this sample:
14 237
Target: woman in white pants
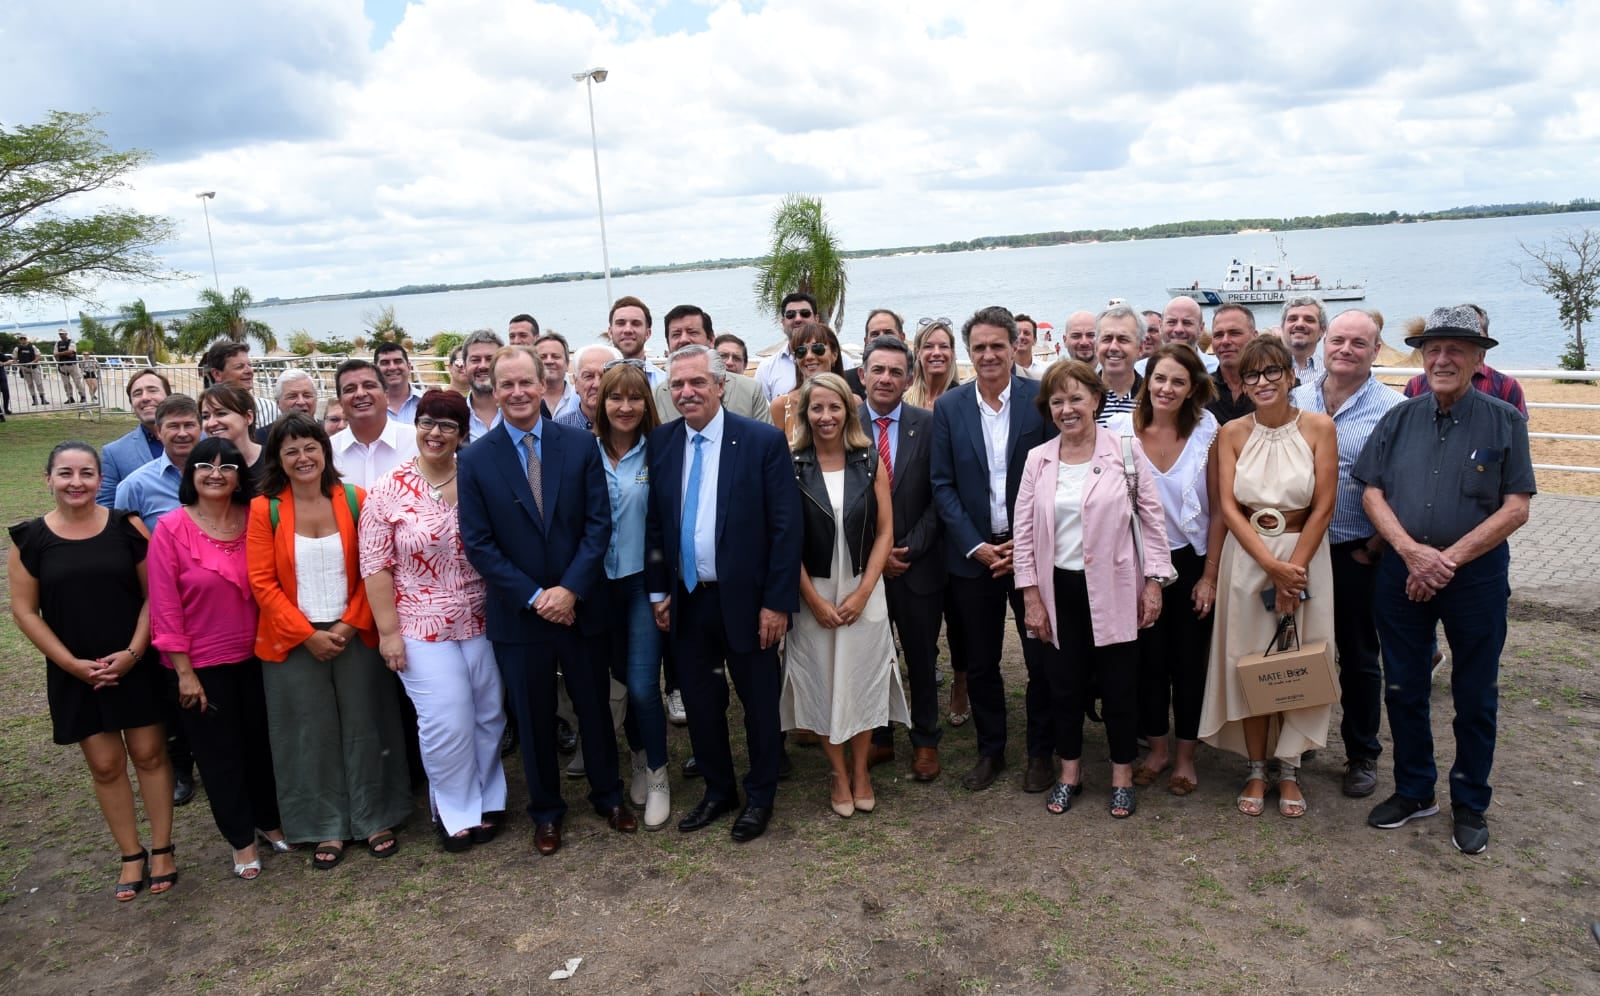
428 603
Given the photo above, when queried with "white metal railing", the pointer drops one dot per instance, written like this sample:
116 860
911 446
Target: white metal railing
1573 375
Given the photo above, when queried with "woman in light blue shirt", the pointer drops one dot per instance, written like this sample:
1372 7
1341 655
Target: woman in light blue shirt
623 419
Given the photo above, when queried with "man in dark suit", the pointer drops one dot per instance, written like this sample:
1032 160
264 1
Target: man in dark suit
880 321
914 578
982 430
722 559
544 561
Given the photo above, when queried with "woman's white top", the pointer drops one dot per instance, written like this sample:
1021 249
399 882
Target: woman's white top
1182 487
322 589
1070 478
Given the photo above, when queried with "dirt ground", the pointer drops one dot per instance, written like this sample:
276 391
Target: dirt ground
938 891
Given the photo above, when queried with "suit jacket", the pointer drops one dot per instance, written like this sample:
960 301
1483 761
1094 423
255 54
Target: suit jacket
758 527
517 550
959 466
121 457
741 395
916 520
1111 565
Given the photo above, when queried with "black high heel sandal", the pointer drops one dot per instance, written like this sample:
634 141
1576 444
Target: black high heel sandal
127 890
168 880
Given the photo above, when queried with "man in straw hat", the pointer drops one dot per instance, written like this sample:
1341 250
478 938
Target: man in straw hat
1448 478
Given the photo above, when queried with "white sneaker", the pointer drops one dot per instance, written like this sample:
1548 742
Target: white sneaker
675 711
658 807
639 783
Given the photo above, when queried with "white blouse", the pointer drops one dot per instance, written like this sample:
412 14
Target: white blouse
1182 488
1070 478
322 589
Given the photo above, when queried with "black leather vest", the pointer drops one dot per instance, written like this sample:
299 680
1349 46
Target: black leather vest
860 510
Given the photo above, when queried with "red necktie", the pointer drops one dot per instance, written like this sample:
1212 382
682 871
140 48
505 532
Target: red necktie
883 447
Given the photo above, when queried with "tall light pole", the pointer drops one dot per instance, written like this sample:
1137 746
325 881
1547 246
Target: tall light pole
588 79
207 195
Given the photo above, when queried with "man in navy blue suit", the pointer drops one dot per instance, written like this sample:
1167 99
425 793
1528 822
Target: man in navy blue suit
722 559
982 430
536 521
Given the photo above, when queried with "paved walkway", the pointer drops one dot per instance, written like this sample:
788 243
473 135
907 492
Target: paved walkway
1555 558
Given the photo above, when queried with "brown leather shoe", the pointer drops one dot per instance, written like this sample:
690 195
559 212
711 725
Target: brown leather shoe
925 764
547 837
621 819
879 754
984 773
1037 776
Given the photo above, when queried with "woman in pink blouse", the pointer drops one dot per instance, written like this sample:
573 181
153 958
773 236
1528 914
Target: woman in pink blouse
203 620
428 603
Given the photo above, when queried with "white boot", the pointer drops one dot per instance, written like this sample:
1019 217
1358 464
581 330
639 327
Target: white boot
639 782
658 806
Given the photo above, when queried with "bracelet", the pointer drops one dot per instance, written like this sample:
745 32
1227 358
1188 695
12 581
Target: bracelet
130 653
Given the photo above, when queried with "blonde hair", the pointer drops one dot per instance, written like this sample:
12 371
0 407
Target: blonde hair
922 392
854 437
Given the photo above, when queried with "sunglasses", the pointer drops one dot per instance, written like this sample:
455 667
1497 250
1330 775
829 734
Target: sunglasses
429 424
798 313
634 362
217 468
815 348
923 323
1272 374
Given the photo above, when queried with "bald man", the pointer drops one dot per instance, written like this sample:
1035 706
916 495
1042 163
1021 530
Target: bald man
1182 321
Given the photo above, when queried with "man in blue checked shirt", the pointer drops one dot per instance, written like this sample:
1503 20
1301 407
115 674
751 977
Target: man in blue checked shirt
1346 390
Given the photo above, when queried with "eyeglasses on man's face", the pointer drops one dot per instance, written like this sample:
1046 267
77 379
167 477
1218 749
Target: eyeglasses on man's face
793 313
1272 374
429 424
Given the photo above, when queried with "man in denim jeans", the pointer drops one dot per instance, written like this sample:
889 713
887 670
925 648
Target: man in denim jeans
1448 478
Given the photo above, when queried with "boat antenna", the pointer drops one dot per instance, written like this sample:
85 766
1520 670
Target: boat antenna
1283 254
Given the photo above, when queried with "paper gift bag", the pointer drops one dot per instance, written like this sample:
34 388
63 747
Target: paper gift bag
1289 674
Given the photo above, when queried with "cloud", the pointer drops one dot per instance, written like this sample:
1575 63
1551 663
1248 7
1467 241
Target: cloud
445 140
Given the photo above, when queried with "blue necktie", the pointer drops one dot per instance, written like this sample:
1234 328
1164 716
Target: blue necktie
691 512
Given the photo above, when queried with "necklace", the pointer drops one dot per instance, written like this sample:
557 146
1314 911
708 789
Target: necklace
435 491
224 531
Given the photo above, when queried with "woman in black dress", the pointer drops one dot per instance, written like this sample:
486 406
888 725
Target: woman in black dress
78 593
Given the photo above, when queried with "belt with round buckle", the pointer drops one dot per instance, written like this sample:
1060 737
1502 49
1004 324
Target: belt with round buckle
1279 521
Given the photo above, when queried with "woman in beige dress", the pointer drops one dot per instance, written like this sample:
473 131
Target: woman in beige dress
1285 460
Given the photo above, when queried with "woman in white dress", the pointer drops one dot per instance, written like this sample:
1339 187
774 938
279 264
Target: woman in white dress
842 680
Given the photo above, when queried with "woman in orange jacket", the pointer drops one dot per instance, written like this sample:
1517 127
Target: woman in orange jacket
337 748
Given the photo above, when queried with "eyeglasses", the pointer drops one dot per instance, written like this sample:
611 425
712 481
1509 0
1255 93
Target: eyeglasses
634 362
923 323
217 468
1272 374
429 424
815 348
798 313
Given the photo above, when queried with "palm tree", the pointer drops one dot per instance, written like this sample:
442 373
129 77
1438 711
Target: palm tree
383 326
221 317
805 257
140 332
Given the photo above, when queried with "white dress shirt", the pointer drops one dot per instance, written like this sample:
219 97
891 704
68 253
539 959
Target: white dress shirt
776 374
365 464
996 434
705 523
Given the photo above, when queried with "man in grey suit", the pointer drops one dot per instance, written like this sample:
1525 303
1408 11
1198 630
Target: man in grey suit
688 325
914 578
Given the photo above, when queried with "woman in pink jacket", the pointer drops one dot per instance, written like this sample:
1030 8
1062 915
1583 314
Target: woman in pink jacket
1087 588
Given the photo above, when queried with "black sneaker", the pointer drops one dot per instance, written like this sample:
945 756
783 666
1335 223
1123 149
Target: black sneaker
1471 834
1397 811
1360 777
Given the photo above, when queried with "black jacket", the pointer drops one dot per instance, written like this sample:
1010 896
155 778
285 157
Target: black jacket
860 510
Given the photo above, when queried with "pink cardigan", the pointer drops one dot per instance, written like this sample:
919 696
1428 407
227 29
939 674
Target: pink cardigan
1111 570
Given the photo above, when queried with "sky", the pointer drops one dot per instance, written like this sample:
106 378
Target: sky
370 145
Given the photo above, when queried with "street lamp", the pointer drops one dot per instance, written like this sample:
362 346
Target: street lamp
588 79
208 195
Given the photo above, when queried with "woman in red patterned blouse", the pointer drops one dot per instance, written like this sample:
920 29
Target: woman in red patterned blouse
429 606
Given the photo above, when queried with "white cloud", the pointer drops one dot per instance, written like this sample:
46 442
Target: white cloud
459 149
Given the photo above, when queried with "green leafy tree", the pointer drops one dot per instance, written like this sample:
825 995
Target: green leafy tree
301 343
444 342
95 334
1568 269
805 257
140 332
339 346
221 317
46 251
383 326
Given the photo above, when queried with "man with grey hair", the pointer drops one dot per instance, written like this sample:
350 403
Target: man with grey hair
982 431
1304 321
1448 479
589 363
1182 321
1117 333
560 397
722 565
296 391
477 354
688 325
